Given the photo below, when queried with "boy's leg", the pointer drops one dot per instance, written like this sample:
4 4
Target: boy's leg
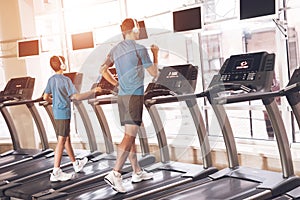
57 174
59 151
77 164
69 149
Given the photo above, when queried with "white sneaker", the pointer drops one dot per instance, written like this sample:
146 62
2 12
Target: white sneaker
79 164
60 176
114 179
141 176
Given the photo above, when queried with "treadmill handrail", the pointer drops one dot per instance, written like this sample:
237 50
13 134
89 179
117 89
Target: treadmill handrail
105 100
258 95
170 99
20 102
247 97
292 88
184 97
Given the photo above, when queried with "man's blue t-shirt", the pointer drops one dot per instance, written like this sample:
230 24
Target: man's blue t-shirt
125 55
61 88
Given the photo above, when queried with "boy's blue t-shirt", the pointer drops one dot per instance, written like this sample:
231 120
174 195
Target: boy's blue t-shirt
130 73
61 88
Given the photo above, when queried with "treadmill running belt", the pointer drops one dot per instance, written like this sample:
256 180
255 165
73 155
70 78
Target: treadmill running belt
42 182
104 191
224 188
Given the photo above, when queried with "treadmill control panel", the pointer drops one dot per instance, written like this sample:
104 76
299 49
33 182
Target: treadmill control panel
243 77
18 88
172 80
254 70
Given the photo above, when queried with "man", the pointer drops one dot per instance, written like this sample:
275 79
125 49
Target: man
130 60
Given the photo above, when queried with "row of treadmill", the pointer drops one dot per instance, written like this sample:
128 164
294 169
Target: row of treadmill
24 173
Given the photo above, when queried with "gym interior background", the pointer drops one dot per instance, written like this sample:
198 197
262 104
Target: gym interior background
84 30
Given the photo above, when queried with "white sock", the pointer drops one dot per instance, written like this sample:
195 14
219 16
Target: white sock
55 170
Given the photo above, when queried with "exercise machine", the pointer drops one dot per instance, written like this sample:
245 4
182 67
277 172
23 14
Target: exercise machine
18 91
167 173
92 173
245 77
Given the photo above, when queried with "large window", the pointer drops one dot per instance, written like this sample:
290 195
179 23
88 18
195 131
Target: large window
223 34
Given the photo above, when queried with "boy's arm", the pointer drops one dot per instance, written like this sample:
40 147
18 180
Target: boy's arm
47 97
86 95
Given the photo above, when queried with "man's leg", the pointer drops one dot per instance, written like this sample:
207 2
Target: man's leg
133 159
114 177
126 146
138 174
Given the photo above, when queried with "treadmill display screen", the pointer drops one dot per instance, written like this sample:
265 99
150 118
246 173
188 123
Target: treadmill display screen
244 63
180 79
20 88
253 70
176 77
242 67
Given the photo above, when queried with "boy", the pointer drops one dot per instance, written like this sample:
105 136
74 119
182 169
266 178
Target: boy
63 92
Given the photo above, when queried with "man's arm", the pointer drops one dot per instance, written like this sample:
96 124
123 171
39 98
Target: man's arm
153 69
108 75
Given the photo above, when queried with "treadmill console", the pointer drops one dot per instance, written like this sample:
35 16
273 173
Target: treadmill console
253 70
18 88
76 79
107 87
174 80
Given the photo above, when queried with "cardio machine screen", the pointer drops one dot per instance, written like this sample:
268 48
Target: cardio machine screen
242 67
21 88
253 70
176 77
244 63
180 79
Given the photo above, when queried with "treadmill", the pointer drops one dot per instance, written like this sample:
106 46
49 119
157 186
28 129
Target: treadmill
247 77
12 176
97 168
16 92
291 92
167 174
